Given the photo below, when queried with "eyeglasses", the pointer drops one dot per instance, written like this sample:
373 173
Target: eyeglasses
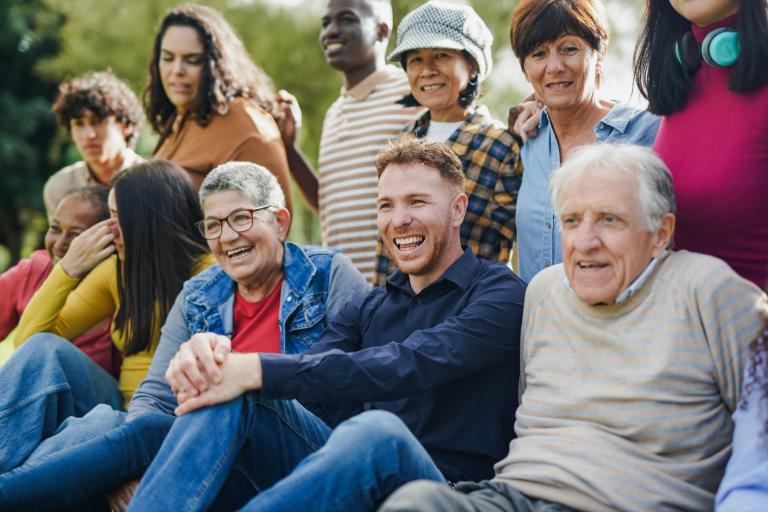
239 220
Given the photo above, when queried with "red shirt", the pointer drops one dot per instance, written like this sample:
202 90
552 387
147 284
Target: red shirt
257 324
17 286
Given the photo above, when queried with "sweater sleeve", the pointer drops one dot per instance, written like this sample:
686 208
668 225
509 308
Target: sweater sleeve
67 306
731 311
154 393
11 283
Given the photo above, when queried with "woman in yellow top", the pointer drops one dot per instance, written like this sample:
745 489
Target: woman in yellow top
208 100
129 267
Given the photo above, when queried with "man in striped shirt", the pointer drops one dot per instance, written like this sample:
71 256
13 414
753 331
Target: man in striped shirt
631 357
357 126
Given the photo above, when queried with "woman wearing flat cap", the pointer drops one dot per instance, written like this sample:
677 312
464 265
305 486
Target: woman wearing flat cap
445 50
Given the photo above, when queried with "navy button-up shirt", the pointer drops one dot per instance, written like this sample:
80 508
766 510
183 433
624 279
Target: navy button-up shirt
445 360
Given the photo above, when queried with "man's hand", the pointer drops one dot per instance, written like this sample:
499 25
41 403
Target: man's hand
288 117
523 119
239 373
88 249
119 499
195 366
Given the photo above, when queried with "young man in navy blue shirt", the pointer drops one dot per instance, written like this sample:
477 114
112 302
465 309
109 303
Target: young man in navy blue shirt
432 357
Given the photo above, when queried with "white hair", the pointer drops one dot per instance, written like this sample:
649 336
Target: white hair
655 191
254 181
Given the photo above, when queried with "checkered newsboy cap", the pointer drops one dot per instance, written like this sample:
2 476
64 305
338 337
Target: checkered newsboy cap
439 24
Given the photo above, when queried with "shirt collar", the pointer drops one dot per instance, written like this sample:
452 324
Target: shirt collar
636 284
461 272
617 119
367 85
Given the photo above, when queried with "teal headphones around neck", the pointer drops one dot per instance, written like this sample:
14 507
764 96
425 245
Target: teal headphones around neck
720 48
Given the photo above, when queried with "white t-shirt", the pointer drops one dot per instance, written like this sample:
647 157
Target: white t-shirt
439 131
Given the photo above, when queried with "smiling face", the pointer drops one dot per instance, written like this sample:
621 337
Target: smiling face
606 243
253 257
705 12
349 36
419 214
181 66
73 215
99 141
436 78
563 72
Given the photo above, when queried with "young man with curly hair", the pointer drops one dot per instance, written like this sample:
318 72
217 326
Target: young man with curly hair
102 115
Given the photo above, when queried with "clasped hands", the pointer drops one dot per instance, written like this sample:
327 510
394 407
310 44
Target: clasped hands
205 372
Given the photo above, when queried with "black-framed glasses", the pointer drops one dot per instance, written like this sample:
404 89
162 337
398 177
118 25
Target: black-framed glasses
239 220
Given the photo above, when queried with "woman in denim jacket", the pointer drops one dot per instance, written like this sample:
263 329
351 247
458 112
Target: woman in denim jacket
265 294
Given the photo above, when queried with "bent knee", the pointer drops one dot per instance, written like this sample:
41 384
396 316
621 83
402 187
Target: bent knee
414 496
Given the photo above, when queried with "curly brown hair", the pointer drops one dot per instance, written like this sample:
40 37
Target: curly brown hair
104 95
228 71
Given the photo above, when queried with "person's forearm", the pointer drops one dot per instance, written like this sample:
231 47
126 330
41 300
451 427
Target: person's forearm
304 175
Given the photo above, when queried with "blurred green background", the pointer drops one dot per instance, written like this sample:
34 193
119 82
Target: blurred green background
43 42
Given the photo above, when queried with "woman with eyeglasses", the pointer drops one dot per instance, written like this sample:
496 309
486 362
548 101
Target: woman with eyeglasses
129 268
265 294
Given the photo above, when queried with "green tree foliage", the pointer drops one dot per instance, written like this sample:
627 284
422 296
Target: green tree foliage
28 33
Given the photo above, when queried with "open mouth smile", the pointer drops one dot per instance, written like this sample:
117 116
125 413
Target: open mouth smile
238 253
409 243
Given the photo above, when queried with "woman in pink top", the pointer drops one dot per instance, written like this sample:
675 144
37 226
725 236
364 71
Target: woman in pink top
704 67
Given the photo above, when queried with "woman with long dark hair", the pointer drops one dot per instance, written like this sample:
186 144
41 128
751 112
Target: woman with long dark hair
207 99
702 65
130 268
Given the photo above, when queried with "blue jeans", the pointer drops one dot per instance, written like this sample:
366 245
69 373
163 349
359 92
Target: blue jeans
46 381
86 459
288 453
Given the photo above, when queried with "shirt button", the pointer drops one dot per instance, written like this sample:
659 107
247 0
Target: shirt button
546 262
418 300
288 299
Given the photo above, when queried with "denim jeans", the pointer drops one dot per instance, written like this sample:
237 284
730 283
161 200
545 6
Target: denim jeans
88 458
263 439
288 453
46 381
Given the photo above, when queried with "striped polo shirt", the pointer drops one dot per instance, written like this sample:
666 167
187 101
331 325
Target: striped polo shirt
356 127
628 406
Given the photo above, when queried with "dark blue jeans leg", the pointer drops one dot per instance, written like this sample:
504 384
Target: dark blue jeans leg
84 461
265 438
47 380
365 460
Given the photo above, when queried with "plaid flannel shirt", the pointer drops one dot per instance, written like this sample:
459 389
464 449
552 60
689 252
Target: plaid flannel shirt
493 173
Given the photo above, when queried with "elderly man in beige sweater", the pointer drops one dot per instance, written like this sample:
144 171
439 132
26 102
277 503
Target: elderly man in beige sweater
631 357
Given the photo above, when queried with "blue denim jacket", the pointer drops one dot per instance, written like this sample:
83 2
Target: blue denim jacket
318 282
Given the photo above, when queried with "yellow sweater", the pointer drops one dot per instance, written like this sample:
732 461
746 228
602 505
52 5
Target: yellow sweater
68 307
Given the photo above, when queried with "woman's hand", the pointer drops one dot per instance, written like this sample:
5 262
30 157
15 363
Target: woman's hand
88 249
523 120
195 367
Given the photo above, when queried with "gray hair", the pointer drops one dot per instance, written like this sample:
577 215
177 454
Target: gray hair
254 181
655 191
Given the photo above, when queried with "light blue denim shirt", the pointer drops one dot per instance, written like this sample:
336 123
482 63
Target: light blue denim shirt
538 236
318 282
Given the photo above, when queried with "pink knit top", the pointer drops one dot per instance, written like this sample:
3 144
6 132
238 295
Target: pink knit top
717 150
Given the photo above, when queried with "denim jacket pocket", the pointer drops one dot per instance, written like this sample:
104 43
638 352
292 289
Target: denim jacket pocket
306 324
